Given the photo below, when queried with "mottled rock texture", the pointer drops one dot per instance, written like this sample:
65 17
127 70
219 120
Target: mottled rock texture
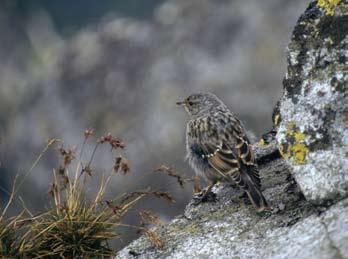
230 228
307 187
313 121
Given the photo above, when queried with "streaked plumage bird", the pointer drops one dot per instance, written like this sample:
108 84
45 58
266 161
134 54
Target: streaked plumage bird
218 148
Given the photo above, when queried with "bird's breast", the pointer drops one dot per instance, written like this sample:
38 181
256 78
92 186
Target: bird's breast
196 158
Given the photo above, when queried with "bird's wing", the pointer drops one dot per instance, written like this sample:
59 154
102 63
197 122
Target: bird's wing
222 143
231 156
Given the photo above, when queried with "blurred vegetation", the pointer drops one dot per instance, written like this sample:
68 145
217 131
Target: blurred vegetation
76 226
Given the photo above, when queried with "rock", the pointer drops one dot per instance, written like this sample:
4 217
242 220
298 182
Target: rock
229 228
313 114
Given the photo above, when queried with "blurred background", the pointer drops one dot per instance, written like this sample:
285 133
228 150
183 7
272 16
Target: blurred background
119 66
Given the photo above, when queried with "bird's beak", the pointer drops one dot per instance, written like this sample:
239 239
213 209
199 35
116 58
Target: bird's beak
182 103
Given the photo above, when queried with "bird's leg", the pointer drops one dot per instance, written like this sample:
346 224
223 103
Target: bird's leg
206 195
243 196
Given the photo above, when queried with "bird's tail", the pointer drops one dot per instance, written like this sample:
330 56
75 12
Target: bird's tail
255 195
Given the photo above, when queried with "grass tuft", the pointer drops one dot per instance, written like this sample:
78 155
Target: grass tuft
11 245
77 225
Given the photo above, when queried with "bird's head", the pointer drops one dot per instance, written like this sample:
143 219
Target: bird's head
200 103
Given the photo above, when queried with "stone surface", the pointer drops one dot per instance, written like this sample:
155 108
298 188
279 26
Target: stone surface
229 228
313 119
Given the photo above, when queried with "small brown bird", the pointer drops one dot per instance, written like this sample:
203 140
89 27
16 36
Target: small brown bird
218 148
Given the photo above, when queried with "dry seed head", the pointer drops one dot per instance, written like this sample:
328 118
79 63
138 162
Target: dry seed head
150 217
115 208
170 172
121 164
154 238
115 143
164 195
87 170
88 133
68 155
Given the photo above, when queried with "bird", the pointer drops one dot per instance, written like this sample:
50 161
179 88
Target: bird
218 148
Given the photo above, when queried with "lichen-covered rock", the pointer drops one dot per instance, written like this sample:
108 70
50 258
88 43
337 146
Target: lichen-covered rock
313 126
229 228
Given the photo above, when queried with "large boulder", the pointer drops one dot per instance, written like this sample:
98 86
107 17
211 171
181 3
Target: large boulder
313 117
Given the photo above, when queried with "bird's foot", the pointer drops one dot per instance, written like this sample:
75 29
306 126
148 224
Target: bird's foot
204 196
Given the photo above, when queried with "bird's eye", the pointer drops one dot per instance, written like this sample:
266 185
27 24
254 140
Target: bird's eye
190 103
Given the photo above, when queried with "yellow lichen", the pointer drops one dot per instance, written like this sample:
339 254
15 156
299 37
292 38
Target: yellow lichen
276 120
294 147
261 143
299 152
299 136
328 5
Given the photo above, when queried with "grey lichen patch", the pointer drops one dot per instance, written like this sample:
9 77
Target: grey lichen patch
312 134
